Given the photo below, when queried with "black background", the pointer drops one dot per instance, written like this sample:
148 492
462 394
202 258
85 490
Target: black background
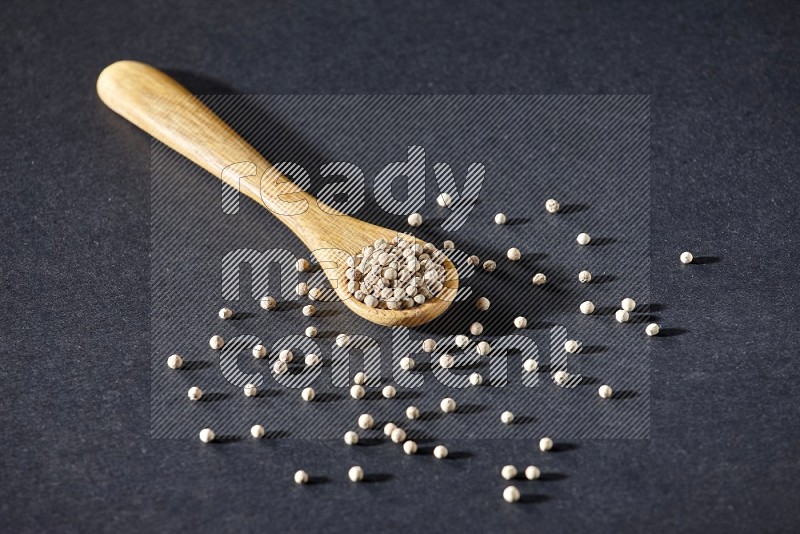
76 451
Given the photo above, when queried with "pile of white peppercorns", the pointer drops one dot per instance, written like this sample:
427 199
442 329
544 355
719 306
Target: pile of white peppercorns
395 274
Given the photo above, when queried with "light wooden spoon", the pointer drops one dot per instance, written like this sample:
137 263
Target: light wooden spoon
166 110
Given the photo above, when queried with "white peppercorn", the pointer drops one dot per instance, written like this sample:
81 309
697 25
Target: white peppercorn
365 421
410 447
539 279
388 428
412 412
279 367
216 342
652 329
446 361
360 378
448 245
475 379
572 346
309 310
342 340
687 258
461 341
520 322
476 329
250 390
444 200
429 345
530 365
511 494
257 431
301 289
225 313
483 348
622 316
285 356
407 363
315 293
301 477
473 260
489 266
507 417
312 359
551 205
545 444
500 218
207 435
448 405
268 303
302 265
415 219
259 351
356 473
508 472
389 392
560 377
514 254
350 437
482 303
357 391
308 394
584 277
440 452
628 304
532 472
587 307
583 239
605 391
195 393
175 361
311 331
398 435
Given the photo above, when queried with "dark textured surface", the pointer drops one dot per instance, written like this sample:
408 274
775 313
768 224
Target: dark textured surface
75 182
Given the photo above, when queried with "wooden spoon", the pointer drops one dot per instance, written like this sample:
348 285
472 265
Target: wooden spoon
166 110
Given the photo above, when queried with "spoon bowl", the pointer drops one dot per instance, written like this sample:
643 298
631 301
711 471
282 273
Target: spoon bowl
163 108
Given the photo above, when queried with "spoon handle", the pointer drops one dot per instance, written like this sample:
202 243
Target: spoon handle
164 108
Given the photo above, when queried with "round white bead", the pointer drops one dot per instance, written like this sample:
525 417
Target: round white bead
412 412
175 361
545 444
622 316
532 472
389 392
628 304
356 473
483 348
530 365
448 405
342 340
350 437
311 360
584 277
365 421
508 472
357 391
440 451
388 428
444 200
552 205
652 329
207 435
572 346
311 331
605 392
482 303
446 361
279 367
415 219
511 494
259 351
500 218
407 363
195 393
257 431
520 322
476 329
398 435
429 345
583 239
308 394
539 279
286 356
301 477
514 254
410 447
360 378
686 258
560 377
216 342
250 390
461 341
225 313
587 307
268 303
506 418
309 310
475 379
